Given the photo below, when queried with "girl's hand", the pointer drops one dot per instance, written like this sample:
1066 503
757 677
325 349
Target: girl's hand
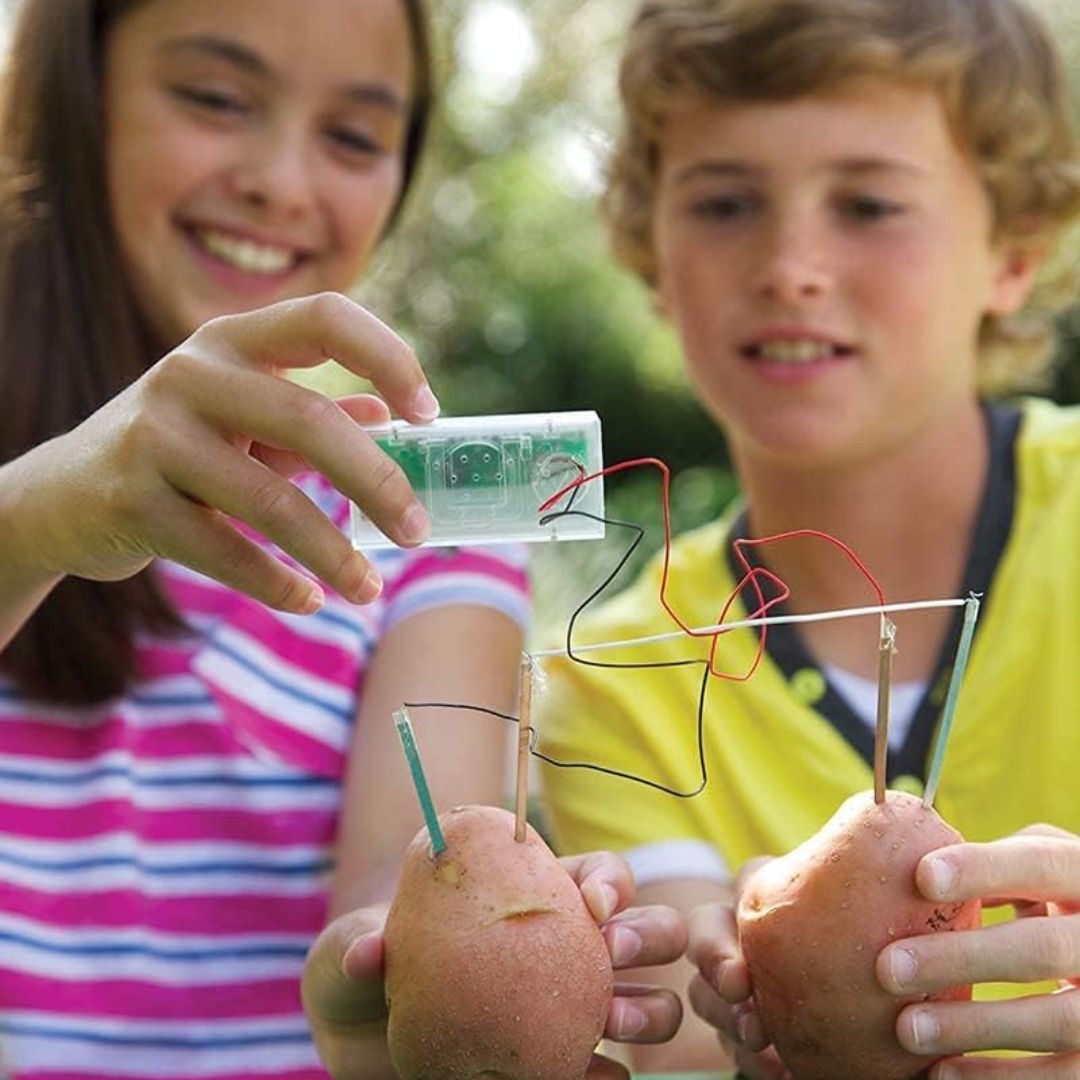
343 975
721 992
1038 871
212 432
343 996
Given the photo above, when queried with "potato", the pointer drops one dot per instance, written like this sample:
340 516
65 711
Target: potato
494 967
812 923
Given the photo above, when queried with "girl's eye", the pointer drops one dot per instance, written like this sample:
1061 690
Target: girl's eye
723 207
210 99
354 141
870 208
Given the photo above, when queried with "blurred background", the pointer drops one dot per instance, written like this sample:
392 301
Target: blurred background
500 277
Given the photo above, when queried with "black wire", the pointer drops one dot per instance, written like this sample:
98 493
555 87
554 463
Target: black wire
578 611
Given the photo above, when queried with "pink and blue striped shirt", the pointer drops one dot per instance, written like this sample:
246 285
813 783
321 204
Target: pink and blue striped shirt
164 858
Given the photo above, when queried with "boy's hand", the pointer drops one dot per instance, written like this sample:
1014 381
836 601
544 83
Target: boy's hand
721 993
211 433
343 975
1038 871
636 937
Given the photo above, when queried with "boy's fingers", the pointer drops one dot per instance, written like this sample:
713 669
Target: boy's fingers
329 326
643 1014
641 936
1044 1022
1023 950
605 881
1034 866
714 950
739 1023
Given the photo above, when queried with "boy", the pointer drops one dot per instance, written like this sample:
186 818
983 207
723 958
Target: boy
841 206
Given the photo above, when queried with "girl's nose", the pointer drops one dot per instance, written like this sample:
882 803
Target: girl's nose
276 175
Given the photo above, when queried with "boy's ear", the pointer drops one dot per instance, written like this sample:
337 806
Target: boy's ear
1015 275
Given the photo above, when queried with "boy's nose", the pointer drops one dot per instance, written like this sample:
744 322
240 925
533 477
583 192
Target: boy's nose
792 269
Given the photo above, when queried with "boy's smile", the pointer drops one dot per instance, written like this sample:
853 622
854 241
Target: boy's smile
828 261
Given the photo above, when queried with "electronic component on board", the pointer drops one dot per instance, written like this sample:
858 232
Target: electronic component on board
483 479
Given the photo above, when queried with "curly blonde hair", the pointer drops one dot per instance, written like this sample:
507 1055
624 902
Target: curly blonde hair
993 62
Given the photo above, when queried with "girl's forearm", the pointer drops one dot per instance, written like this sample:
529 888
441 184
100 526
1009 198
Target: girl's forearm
25 580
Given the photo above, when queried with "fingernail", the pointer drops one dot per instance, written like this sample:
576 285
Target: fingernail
625 945
942 876
415 524
370 587
426 404
902 966
315 600
742 1026
925 1031
629 1020
602 900
947 1072
356 946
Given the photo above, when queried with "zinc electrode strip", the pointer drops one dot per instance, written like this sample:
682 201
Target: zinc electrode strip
963 648
412 754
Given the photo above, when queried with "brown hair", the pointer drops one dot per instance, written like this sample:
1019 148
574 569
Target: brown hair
993 62
71 334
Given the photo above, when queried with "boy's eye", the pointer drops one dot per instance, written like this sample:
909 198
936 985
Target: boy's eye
210 99
869 207
723 207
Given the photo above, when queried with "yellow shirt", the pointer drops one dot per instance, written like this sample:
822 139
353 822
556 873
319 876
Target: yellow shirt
777 768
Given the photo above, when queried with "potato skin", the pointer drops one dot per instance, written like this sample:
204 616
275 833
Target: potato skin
812 923
494 967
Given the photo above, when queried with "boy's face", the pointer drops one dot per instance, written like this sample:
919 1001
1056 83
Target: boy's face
827 262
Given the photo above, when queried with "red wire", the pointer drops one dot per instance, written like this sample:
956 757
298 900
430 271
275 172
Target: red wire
752 576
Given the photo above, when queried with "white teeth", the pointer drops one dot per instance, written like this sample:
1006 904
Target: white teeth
803 351
246 254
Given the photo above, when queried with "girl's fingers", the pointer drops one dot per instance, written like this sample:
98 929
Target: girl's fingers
1044 1022
366 409
643 1014
208 543
283 415
192 528
306 331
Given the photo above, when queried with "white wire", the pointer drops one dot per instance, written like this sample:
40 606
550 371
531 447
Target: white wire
767 620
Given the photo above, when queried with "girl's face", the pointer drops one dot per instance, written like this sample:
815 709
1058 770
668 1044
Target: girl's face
253 148
828 262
